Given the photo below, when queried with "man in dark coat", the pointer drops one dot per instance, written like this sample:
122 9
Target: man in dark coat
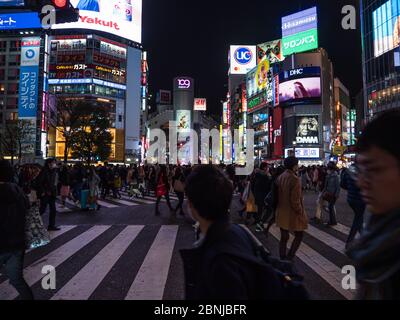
261 186
13 209
46 187
376 255
223 264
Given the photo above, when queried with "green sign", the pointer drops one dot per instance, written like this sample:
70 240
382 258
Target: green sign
300 42
256 102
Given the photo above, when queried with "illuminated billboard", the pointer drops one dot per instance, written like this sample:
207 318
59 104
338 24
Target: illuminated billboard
183 120
272 51
299 22
300 32
11 3
386 27
200 104
305 153
301 42
242 59
301 85
300 90
307 130
20 20
122 18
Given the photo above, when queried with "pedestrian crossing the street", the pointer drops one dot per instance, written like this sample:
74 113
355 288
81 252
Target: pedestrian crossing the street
140 262
111 203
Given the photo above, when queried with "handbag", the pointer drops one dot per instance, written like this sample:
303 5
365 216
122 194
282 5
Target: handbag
251 204
161 190
328 196
36 234
179 186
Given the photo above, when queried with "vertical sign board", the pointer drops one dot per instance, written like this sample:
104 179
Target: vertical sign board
29 78
28 91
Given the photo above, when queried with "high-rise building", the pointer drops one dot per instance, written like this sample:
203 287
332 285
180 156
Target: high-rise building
380 27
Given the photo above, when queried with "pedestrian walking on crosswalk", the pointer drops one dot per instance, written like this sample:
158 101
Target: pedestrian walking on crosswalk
162 190
14 206
290 213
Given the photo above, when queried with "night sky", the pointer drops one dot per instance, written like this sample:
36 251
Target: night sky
192 38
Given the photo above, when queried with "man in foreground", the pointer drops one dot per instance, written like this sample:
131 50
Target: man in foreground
223 265
376 255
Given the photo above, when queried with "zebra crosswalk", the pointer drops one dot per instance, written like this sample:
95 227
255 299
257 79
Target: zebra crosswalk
141 262
111 203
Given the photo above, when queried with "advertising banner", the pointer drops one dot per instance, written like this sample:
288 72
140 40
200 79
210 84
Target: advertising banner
386 27
200 104
300 42
164 97
29 78
225 113
183 120
242 59
271 51
304 153
305 90
22 20
277 133
299 22
260 117
307 130
122 18
28 143
11 3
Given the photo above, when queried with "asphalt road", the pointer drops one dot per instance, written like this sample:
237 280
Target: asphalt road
126 252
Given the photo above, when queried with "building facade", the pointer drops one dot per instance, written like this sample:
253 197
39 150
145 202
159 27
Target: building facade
380 23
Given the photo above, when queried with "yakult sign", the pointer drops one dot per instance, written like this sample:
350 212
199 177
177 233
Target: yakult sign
122 18
242 59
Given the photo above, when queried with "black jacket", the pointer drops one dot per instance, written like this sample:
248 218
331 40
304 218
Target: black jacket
376 257
261 186
348 183
223 267
46 182
13 209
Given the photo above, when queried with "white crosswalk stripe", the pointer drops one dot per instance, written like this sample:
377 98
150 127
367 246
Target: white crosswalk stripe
323 267
152 276
81 286
111 203
34 273
149 280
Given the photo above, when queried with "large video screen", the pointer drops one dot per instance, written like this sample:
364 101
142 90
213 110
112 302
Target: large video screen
304 90
307 130
386 25
11 3
121 18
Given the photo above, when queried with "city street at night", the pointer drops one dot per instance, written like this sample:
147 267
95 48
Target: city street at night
192 159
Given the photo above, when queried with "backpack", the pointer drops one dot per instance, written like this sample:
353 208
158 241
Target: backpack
289 284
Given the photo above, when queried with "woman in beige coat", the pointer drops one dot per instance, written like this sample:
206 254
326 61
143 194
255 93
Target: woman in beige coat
290 213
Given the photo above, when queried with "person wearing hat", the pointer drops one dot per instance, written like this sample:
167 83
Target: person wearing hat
14 205
331 191
290 213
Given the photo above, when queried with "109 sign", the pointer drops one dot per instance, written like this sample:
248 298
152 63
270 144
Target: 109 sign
184 83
